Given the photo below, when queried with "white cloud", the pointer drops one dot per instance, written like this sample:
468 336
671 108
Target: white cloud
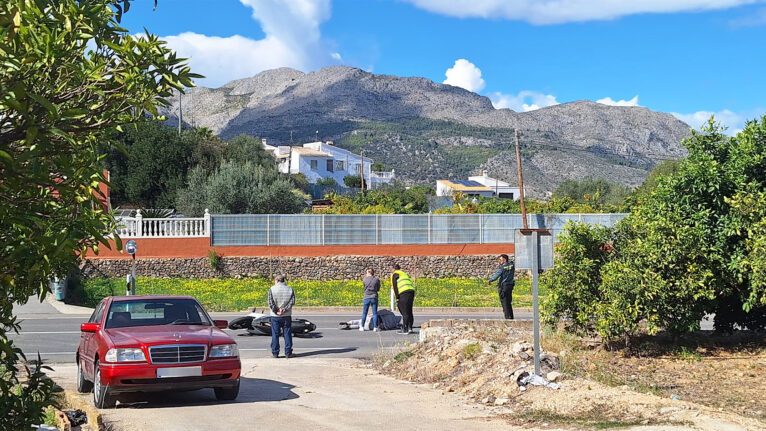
465 74
292 39
612 102
561 11
522 102
755 19
733 121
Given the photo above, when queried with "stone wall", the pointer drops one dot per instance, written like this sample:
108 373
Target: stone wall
303 268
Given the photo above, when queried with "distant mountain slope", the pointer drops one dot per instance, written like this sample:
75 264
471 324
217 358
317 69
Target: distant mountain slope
427 130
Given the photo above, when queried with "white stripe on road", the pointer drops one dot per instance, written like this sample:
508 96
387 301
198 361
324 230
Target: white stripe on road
48 332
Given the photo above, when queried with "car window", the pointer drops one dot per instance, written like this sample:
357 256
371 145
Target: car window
97 313
152 312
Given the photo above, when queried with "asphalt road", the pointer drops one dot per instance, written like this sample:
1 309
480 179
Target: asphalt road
56 336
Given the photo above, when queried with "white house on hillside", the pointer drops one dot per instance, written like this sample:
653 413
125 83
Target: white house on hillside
481 185
318 160
500 189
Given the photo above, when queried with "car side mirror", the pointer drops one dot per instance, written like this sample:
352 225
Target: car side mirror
221 324
90 327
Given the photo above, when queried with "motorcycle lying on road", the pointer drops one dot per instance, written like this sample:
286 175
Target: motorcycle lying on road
259 323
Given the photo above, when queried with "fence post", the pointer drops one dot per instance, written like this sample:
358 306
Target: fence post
323 228
481 228
377 227
429 227
139 224
268 229
206 228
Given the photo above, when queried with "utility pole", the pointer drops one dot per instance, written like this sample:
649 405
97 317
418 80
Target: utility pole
180 113
316 136
362 173
521 179
291 138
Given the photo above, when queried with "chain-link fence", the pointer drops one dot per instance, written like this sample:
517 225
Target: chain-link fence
309 229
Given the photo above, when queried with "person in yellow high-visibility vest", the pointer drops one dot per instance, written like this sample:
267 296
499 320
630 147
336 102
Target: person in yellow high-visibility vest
405 296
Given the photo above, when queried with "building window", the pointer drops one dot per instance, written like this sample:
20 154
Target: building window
505 195
340 165
314 165
358 169
329 165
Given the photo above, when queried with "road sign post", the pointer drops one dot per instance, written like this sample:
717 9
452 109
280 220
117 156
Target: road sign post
130 289
534 251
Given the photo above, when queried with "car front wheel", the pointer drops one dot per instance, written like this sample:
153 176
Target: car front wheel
101 397
227 394
83 385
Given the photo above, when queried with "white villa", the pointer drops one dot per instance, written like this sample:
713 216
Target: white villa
317 160
480 185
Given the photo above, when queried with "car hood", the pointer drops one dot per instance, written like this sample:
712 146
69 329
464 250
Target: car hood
166 334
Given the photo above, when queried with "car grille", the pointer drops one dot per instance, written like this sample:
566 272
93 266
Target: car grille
177 353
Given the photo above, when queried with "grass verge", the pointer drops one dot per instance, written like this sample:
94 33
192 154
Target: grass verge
228 294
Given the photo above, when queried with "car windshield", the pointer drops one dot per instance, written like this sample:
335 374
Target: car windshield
154 312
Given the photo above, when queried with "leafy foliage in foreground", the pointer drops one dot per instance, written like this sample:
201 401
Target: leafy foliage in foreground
695 246
69 77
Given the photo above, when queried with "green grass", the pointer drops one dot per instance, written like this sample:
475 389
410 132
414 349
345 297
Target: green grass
229 294
598 417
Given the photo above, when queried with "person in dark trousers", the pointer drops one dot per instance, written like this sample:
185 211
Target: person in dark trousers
505 283
281 301
405 296
371 288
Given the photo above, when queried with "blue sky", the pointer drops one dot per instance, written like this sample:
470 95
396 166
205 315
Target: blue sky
692 58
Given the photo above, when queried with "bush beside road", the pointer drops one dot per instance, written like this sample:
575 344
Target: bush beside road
239 294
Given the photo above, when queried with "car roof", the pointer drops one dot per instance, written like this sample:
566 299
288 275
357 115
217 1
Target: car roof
142 297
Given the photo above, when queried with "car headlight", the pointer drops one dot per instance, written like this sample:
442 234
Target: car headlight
125 355
224 351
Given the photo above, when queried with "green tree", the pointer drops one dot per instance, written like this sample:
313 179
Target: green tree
353 181
150 164
662 170
595 192
694 246
245 148
69 77
239 188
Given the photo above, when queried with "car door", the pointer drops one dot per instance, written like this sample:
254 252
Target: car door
89 340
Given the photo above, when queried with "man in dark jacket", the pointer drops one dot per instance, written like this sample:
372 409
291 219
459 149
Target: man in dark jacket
504 277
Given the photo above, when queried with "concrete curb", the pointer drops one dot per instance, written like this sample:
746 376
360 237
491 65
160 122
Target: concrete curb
67 308
76 401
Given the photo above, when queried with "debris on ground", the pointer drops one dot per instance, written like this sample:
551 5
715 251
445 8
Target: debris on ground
490 362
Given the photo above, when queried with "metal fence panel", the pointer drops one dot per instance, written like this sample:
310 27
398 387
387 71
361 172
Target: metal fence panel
297 229
403 229
349 229
455 228
311 229
245 229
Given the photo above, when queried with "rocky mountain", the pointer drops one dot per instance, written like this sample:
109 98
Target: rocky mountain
428 131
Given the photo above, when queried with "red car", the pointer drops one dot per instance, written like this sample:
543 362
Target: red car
155 343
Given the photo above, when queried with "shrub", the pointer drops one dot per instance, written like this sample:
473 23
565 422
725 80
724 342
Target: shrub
353 181
215 260
327 182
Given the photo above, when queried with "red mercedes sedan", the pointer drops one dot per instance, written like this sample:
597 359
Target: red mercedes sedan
155 343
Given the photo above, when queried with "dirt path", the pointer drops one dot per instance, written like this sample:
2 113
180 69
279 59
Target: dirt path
301 394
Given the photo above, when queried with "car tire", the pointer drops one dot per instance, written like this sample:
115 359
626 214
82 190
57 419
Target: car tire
83 385
101 397
227 394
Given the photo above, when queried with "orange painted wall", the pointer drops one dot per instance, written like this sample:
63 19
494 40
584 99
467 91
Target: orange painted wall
199 247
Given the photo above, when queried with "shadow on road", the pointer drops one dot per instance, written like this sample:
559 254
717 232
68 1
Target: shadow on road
323 352
309 335
250 390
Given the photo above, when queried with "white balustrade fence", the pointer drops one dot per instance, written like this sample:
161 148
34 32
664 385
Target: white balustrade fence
176 227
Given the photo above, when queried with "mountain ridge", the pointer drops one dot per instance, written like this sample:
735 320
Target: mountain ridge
402 121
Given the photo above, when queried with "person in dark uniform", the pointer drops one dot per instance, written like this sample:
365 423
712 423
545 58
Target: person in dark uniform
504 277
405 295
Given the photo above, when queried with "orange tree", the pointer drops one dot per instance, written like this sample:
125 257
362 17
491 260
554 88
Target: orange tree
69 77
694 246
